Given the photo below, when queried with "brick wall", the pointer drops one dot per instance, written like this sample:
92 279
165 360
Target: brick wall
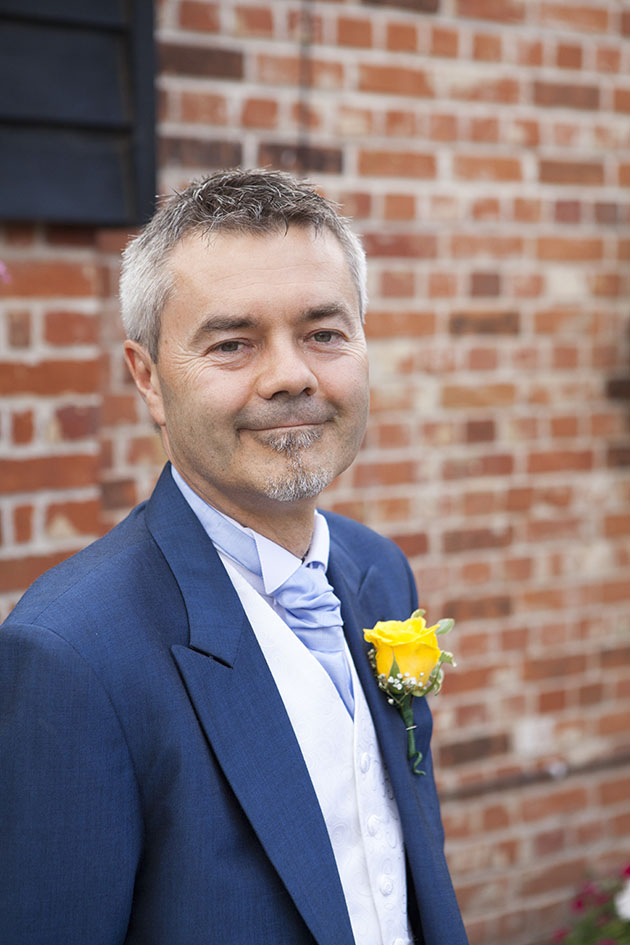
483 149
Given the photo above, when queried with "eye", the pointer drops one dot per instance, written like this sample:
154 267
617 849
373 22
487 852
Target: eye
325 336
228 347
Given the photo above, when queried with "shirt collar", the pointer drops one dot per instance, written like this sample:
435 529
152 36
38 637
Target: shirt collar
277 564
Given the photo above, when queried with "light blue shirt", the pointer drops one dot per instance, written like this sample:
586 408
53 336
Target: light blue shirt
277 564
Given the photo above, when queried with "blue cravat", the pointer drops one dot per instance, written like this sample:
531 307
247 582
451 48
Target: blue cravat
312 610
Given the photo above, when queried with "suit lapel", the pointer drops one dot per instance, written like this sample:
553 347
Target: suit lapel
243 717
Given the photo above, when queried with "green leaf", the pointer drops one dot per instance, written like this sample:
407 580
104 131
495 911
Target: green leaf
443 626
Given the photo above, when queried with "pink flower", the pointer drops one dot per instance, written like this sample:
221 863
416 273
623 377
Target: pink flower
560 935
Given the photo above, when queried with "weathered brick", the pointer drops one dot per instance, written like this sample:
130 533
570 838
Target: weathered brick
52 279
480 167
201 61
574 16
395 79
504 11
199 152
301 158
254 21
70 328
48 472
589 173
405 245
382 163
50 377
400 324
484 322
566 95
199 16
354 31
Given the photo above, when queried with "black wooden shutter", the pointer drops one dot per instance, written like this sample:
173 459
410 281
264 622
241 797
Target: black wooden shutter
77 111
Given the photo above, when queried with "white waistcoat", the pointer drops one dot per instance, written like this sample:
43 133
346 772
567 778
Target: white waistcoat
345 766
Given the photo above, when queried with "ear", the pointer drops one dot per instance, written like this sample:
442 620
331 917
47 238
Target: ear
145 375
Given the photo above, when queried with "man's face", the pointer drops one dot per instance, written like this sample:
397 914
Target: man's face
261 380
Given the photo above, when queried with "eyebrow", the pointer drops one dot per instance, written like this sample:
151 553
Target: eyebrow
215 324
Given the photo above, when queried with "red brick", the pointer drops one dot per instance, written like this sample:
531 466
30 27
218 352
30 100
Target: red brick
487 47
527 210
119 494
486 208
70 328
412 545
480 431
472 539
571 172
200 61
146 450
622 100
504 11
443 127
574 17
402 37
404 245
558 248
384 474
381 163
49 377
18 328
442 285
22 426
301 158
554 804
560 461
463 244
397 284
40 278
400 207
75 423
486 129
484 323
16 574
48 472
74 518
565 95
480 167
569 56
23 523
354 31
499 464
199 16
395 80
568 211
203 108
254 21
444 41
119 408
394 324
482 359
503 91
481 395
608 59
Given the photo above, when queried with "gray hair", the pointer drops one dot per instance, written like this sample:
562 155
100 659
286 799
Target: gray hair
236 201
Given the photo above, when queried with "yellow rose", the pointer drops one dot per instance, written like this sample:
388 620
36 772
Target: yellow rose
410 642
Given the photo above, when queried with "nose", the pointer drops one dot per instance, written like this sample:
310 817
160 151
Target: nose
285 369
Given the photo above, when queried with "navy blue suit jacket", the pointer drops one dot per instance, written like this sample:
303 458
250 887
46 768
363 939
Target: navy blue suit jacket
152 791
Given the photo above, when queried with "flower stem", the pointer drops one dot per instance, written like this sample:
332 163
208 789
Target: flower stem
415 756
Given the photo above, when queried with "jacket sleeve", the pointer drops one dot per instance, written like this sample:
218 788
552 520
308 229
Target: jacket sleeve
70 821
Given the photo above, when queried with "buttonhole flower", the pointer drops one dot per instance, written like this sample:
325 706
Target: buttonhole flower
407 662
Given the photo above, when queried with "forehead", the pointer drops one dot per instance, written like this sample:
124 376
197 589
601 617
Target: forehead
294 262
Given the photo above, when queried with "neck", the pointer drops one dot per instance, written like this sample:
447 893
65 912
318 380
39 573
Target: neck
289 524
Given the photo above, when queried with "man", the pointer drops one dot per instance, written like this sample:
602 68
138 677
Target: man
193 753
